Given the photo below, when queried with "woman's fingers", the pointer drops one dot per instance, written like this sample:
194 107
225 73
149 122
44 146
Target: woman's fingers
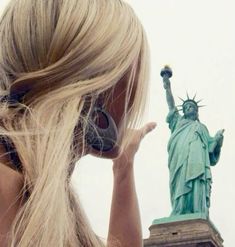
140 134
129 151
147 128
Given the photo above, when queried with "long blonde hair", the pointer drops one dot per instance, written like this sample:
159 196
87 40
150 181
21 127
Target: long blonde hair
64 51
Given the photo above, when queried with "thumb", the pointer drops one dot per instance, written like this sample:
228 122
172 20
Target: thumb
148 128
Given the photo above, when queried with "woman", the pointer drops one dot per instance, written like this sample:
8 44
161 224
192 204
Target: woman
68 69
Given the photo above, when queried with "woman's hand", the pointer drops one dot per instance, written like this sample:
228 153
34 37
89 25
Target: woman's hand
124 162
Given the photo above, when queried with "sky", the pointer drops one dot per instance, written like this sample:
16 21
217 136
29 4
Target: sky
197 39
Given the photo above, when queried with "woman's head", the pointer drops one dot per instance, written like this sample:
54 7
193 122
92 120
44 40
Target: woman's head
66 56
66 49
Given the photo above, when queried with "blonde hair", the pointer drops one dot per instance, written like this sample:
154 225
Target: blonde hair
64 51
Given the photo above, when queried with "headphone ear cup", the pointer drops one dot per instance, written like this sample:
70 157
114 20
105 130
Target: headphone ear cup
101 138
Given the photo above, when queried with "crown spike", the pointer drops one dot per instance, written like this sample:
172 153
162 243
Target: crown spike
199 101
187 95
190 100
181 99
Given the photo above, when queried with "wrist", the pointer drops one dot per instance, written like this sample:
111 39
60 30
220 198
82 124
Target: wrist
123 170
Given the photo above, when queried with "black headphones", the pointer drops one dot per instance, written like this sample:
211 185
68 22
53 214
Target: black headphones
101 133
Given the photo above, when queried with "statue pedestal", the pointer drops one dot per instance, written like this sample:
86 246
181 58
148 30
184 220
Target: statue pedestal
192 230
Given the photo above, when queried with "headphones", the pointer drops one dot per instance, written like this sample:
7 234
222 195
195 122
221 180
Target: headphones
101 133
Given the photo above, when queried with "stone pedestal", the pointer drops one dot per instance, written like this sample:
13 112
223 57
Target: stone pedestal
186 231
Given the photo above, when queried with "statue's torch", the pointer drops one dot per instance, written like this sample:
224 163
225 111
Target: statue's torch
166 72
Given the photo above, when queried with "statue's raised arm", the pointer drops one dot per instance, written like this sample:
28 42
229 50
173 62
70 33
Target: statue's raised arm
166 74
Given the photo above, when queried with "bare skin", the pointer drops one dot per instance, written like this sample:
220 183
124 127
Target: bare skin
125 225
11 183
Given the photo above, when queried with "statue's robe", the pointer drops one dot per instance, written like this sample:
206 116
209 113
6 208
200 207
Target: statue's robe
191 153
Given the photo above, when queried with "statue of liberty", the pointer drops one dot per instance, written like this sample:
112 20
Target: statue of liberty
191 153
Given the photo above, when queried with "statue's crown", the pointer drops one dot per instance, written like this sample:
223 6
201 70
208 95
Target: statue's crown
191 100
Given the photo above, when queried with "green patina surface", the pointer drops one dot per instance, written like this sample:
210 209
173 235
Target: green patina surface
191 153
